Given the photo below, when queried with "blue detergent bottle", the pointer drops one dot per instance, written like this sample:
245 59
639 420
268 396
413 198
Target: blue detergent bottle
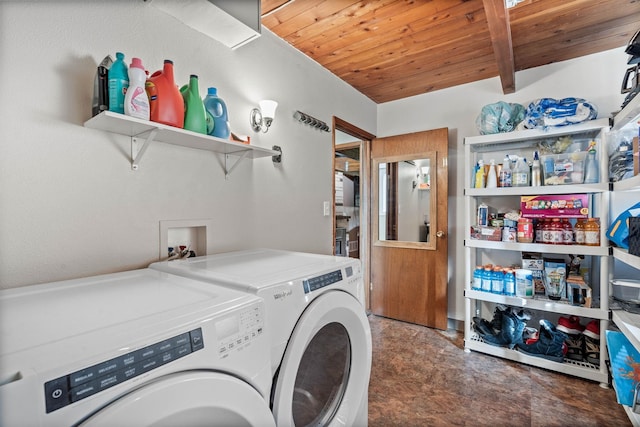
118 84
217 118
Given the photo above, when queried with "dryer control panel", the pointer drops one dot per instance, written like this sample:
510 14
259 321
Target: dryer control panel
318 282
78 385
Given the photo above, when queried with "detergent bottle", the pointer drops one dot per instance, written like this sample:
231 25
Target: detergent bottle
217 118
136 102
195 118
165 101
118 84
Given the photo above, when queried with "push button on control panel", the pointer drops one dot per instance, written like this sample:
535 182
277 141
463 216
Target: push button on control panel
78 385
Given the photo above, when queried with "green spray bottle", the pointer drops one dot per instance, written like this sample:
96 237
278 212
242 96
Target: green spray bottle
195 118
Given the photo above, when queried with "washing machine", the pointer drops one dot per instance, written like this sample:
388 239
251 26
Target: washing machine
138 348
319 332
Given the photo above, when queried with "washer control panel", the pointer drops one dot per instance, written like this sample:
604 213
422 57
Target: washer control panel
78 385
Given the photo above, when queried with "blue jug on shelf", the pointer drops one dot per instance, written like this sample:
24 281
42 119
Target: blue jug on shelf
217 118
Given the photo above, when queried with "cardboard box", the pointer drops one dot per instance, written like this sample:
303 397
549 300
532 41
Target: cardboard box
555 206
536 264
579 293
486 233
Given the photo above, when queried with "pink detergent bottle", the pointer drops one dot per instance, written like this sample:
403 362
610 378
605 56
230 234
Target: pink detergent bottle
136 102
165 99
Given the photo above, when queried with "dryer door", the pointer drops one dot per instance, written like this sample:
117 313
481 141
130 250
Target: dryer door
324 375
196 398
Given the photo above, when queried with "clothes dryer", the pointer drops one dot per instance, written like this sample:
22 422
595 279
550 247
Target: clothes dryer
137 348
319 331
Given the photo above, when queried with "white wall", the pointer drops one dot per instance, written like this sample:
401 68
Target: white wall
596 78
70 205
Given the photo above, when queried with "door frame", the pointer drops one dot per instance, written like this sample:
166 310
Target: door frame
365 200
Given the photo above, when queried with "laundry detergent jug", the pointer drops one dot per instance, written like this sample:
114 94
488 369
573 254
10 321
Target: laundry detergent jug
217 118
194 114
165 100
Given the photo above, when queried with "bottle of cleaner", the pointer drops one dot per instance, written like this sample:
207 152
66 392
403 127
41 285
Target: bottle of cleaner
536 171
591 169
101 87
136 102
520 175
479 178
492 177
217 118
118 84
505 173
195 118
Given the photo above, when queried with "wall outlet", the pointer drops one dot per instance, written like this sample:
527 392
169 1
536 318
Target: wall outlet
326 207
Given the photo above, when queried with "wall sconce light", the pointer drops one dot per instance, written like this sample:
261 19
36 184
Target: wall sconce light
262 118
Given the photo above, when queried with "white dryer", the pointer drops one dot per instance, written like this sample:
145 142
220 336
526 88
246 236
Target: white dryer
138 348
320 335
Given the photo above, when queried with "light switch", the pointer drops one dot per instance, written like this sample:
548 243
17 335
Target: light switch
326 208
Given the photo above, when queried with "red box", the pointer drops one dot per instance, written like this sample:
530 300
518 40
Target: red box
555 206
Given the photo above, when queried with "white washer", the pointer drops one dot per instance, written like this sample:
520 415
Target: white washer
321 339
137 348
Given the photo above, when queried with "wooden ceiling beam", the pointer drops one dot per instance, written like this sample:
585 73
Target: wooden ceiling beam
500 30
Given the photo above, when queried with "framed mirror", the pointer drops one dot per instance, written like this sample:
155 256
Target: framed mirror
404 208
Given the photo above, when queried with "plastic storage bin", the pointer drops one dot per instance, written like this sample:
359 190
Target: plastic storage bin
566 168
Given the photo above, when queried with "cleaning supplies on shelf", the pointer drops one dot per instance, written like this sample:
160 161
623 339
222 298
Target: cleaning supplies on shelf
118 84
492 177
591 169
479 181
505 173
195 118
101 87
165 101
136 102
520 175
216 111
536 171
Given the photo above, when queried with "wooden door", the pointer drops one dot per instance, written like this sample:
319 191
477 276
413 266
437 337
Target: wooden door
409 266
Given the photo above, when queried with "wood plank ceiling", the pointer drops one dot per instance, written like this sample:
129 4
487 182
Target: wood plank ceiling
393 49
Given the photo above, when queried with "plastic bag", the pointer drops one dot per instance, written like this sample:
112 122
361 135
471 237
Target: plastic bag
618 232
546 112
499 117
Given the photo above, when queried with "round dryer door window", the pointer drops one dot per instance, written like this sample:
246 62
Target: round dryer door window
197 398
324 375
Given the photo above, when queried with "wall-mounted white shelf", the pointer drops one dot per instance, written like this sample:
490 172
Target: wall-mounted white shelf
143 132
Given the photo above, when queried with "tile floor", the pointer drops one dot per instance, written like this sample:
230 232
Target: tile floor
422 377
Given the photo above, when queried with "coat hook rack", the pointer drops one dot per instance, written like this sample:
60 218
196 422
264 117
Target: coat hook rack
311 121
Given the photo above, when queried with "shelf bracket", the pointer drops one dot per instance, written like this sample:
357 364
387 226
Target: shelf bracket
227 170
137 153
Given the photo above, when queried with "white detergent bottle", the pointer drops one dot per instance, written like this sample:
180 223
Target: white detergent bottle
136 102
492 177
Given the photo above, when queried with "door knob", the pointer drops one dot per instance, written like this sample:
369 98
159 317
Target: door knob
440 233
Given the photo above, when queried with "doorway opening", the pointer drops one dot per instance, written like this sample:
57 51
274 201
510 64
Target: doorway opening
351 204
